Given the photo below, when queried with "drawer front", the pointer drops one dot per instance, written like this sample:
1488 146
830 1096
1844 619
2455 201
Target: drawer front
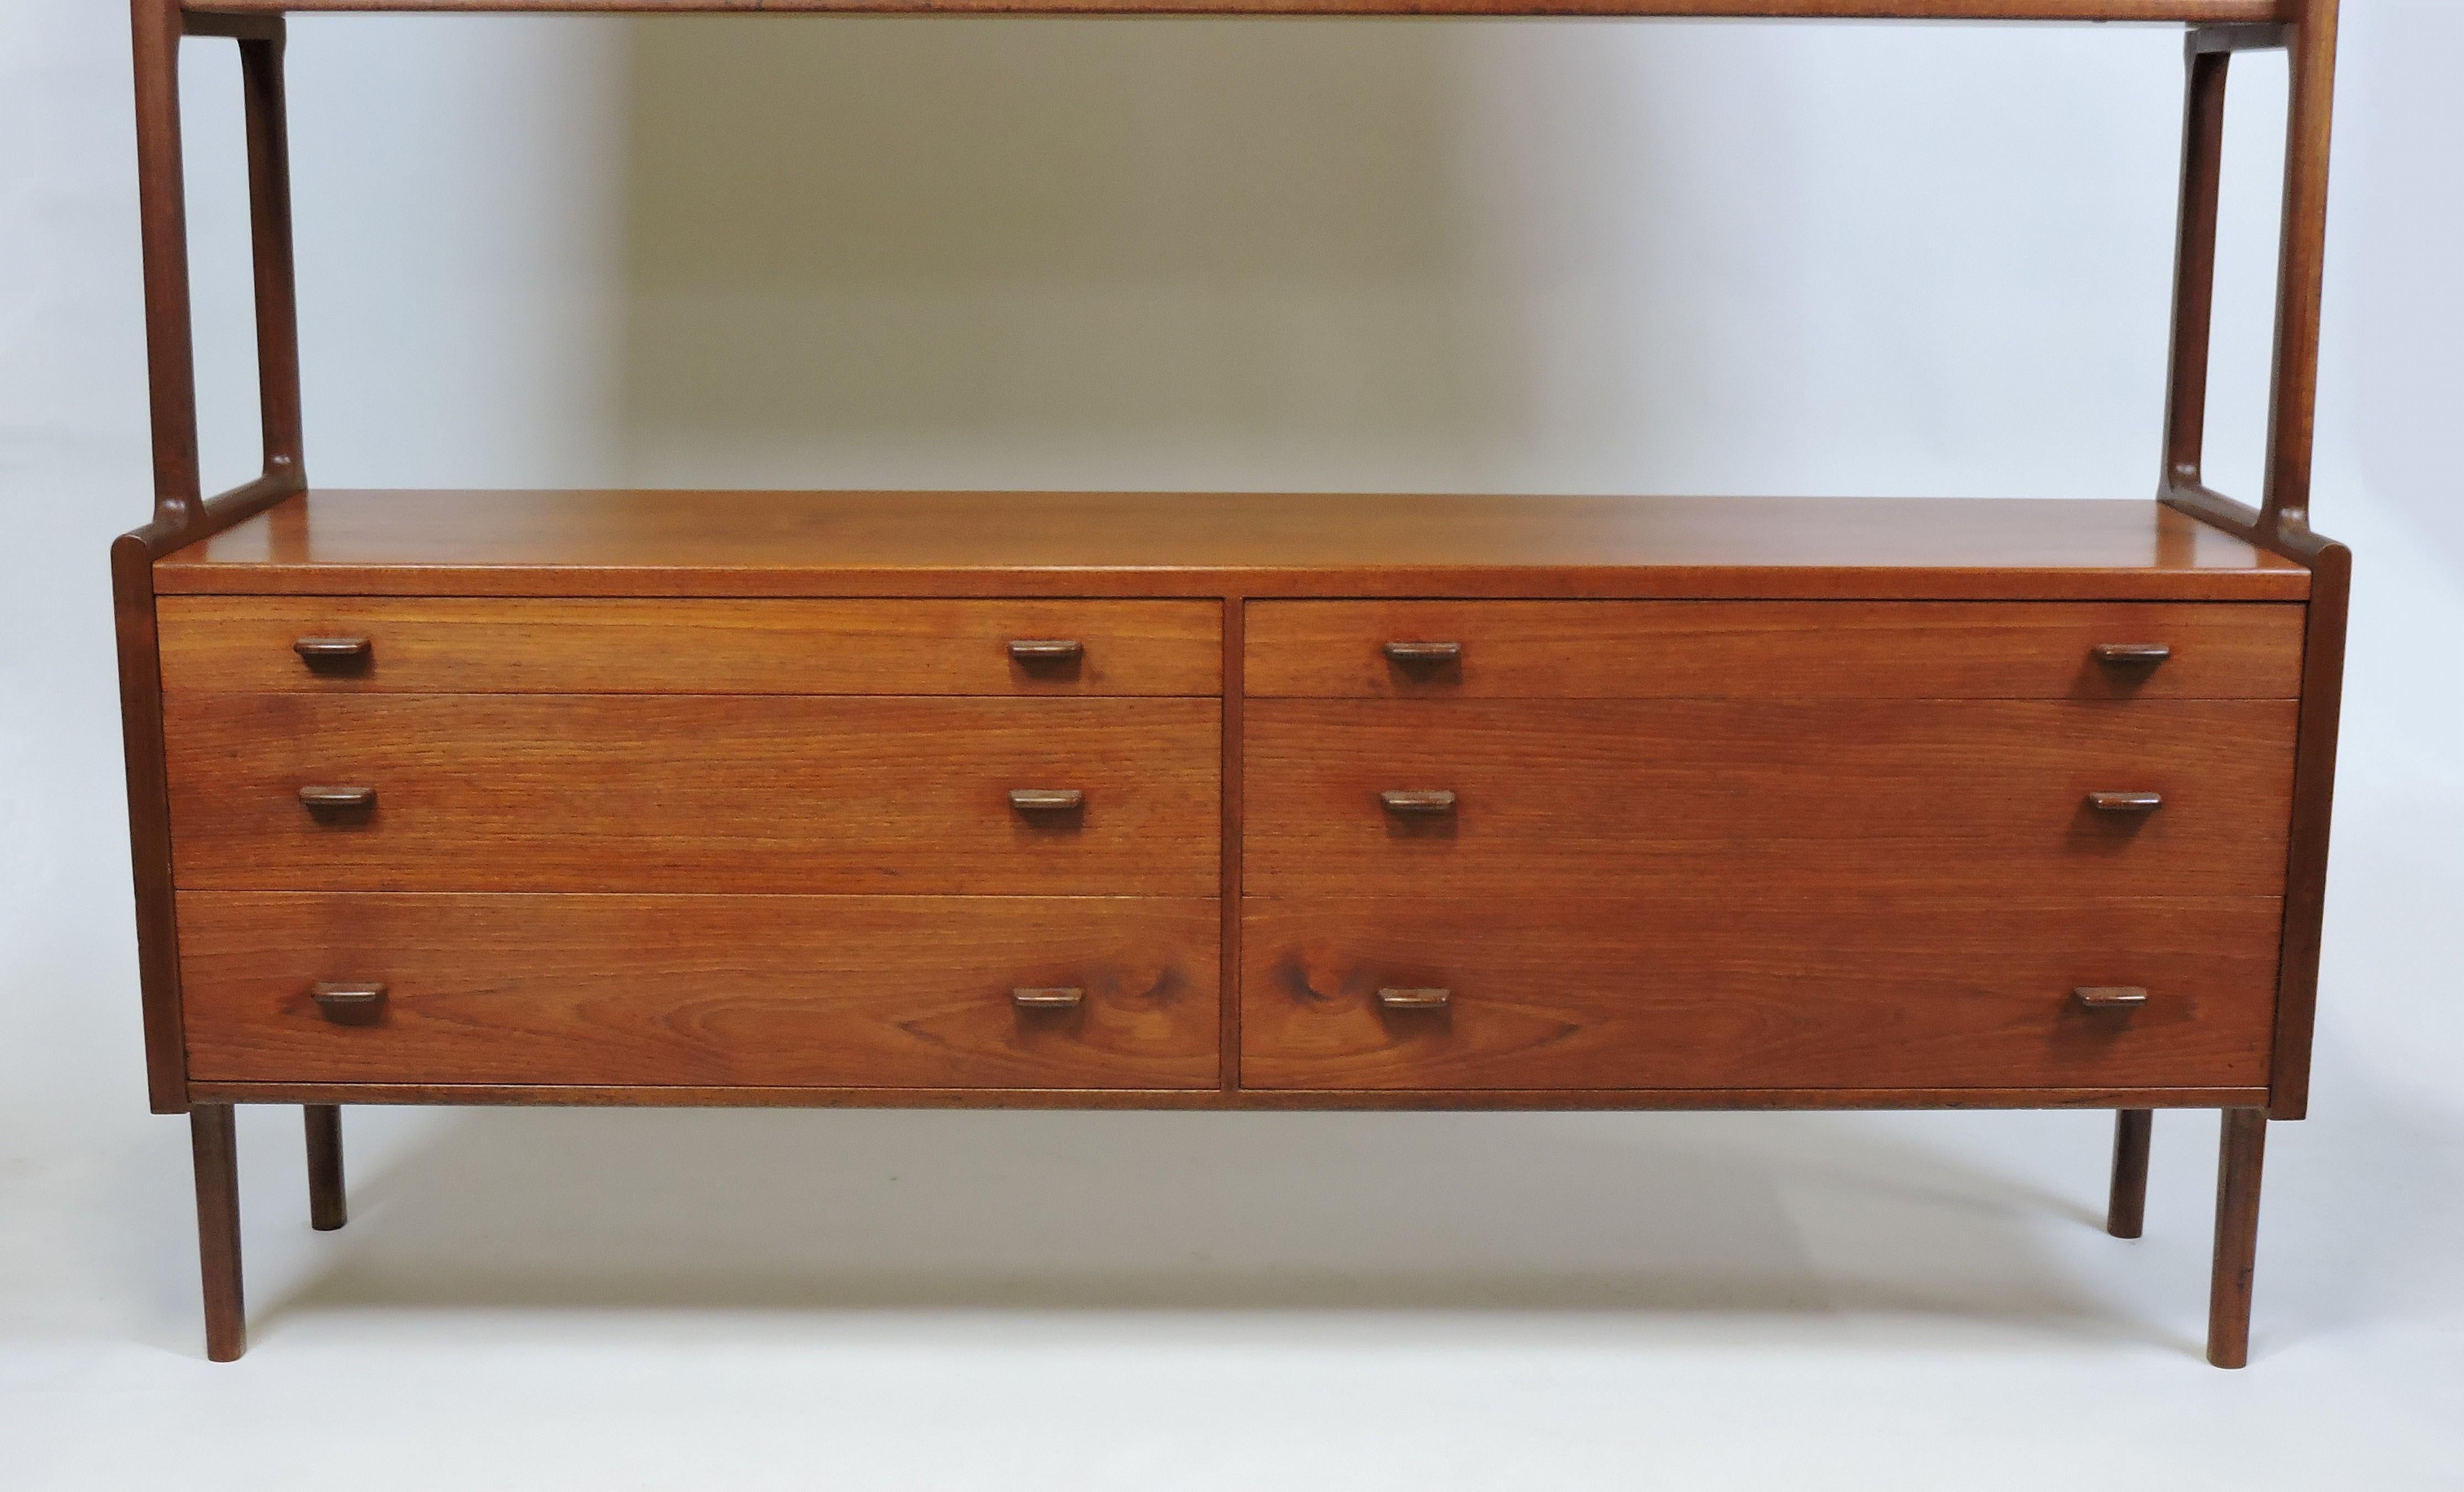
1569 797
799 991
1704 993
345 644
707 793
1735 649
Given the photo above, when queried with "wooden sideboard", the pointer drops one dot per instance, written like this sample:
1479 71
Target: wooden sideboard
1209 800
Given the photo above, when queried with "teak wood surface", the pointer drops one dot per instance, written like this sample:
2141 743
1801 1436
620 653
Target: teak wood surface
1556 798
849 543
1724 988
696 793
1845 650
865 992
460 646
273 537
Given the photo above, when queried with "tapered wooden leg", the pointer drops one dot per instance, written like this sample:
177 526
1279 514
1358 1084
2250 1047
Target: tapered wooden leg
217 1159
2238 1168
2126 1210
326 1209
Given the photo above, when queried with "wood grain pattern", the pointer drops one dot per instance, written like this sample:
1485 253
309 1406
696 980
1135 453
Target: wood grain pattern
2314 803
696 793
862 992
2280 523
2314 775
1264 1100
1564 796
1879 9
1959 1012
1156 544
1710 992
1609 649
229 645
138 637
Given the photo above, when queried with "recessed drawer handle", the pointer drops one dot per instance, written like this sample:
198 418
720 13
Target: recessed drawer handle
2110 997
1045 649
348 1004
337 800
2132 652
1047 999
1046 799
1416 800
2126 803
1415 999
1424 652
313 651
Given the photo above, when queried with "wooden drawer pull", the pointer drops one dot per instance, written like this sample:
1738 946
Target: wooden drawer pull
2146 653
333 651
1047 649
2110 997
1046 799
337 800
1415 999
1415 799
1424 652
2126 803
349 1004
1047 1000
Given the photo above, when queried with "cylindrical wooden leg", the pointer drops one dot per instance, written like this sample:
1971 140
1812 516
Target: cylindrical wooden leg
2125 1211
326 1209
2238 1168
217 1159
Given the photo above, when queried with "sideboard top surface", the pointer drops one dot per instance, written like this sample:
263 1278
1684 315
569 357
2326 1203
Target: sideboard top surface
488 542
2181 11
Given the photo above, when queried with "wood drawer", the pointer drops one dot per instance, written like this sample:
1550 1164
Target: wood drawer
1710 993
1812 798
696 793
1739 649
245 644
803 991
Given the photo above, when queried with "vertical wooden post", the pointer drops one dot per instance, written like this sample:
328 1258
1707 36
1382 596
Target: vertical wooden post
2125 1210
2293 392
2240 1154
2285 509
269 216
327 1209
216 1150
163 219
2194 262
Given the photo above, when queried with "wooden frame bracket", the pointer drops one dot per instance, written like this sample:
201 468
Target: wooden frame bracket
183 514
2280 523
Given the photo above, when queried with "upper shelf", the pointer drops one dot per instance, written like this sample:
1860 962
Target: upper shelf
334 542
2196 12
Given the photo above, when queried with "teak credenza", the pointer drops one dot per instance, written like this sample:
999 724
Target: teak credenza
1231 800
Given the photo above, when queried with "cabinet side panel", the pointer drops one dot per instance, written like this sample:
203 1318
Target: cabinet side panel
2305 870
149 823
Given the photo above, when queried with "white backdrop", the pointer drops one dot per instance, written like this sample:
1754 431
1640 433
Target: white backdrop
1188 254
